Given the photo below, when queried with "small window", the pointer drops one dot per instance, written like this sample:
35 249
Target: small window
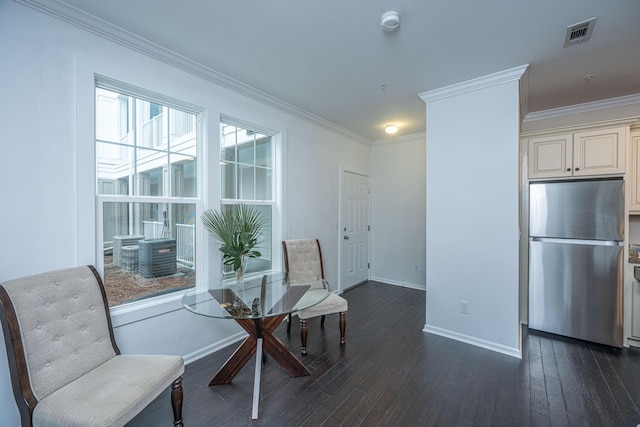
247 177
147 174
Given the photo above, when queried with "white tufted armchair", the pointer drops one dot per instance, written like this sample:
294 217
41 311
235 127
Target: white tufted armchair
66 369
303 262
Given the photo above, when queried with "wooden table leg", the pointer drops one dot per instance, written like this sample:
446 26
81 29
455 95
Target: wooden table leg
237 360
271 345
281 354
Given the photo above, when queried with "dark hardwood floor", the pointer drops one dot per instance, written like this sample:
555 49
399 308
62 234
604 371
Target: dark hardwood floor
392 374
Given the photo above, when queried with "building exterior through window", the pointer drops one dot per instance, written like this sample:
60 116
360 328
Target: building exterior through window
148 200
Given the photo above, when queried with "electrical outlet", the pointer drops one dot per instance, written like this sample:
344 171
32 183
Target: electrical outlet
464 307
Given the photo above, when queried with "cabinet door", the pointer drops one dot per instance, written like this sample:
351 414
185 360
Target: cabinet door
599 152
550 156
635 308
634 205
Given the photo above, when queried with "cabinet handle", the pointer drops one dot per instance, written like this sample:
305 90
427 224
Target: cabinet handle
577 169
568 169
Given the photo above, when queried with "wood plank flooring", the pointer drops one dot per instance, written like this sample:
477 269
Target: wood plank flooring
390 373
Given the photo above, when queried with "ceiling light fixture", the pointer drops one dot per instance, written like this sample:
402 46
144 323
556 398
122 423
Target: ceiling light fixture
391 129
390 21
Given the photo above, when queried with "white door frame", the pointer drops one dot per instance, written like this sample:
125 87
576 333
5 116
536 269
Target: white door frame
340 227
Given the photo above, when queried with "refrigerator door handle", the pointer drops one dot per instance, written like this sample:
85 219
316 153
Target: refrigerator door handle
577 241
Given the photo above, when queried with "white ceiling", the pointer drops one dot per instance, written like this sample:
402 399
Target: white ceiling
330 57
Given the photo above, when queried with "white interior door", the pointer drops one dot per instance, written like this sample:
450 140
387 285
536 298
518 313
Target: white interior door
355 229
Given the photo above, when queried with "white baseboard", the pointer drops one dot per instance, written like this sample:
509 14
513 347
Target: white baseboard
210 349
219 345
397 283
489 345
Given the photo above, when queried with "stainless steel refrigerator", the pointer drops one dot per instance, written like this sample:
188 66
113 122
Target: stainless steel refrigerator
576 233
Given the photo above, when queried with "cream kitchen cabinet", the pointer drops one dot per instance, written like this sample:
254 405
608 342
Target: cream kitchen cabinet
586 153
635 309
634 203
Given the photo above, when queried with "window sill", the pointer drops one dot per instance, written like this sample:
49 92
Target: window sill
150 307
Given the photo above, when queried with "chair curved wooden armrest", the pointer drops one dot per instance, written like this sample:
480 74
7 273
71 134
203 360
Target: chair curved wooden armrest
61 350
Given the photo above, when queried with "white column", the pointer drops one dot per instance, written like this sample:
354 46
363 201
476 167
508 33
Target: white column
472 198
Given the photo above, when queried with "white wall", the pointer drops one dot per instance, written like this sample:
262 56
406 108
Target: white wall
398 211
472 211
312 186
47 218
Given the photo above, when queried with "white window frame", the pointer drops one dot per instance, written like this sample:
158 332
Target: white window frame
275 203
152 305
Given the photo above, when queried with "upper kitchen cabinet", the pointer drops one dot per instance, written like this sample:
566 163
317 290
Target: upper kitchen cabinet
586 153
634 203
551 156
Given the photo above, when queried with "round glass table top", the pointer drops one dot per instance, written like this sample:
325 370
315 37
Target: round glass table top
256 297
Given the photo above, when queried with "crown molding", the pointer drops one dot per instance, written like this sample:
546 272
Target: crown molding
625 121
80 19
621 101
524 94
475 84
400 139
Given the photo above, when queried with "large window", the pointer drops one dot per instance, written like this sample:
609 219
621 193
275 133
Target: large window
148 203
246 158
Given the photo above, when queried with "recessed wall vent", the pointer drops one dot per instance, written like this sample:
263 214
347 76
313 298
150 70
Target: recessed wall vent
579 33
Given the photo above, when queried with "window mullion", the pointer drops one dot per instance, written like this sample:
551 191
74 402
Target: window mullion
255 172
134 185
236 169
169 185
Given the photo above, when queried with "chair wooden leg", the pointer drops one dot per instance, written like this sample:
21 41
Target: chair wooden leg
303 336
343 326
176 402
289 324
322 321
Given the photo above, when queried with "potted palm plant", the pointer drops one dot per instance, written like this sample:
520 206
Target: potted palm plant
237 229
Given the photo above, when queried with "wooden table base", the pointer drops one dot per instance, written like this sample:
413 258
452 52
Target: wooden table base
259 321
271 345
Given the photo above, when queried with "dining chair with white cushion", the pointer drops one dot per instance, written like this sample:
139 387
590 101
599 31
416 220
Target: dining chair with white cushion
303 262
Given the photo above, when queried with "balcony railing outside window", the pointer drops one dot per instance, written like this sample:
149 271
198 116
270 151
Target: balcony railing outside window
152 135
181 124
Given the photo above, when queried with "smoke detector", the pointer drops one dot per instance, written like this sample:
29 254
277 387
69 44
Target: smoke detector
579 33
390 21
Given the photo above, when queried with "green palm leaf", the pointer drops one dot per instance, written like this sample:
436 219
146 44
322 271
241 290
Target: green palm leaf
237 229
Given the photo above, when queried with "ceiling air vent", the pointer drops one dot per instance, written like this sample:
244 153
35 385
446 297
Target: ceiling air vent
579 33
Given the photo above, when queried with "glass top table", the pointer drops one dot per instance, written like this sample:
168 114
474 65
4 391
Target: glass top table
258 304
256 297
